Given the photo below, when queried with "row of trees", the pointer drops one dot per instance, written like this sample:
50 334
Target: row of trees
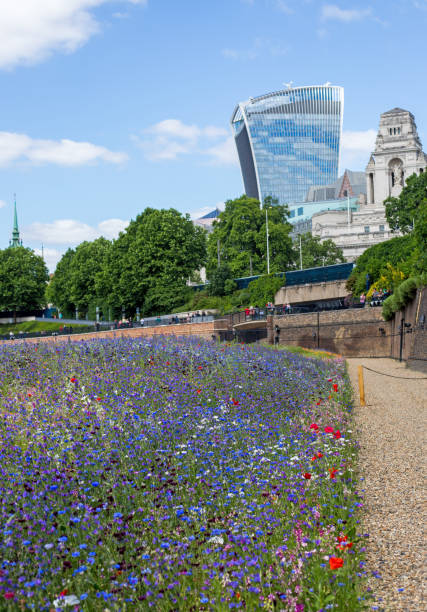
146 267
150 262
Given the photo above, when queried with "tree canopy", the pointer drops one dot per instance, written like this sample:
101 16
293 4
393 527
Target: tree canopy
263 289
146 267
403 212
399 251
316 252
239 235
23 279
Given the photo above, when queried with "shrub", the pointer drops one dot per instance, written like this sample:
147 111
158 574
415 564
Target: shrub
264 288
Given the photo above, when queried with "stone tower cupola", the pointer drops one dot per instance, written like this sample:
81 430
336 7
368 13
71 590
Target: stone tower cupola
398 154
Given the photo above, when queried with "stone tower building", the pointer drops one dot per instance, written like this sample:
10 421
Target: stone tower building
398 154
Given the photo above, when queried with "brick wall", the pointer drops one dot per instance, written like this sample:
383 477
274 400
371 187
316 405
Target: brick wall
204 330
352 333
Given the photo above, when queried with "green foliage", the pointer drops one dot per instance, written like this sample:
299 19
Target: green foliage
240 233
316 252
403 294
147 266
403 212
397 251
79 276
59 290
221 281
23 279
38 326
264 288
152 260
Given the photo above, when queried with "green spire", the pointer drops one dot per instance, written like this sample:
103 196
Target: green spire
16 241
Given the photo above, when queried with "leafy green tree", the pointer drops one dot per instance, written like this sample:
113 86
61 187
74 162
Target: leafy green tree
316 252
221 281
152 260
23 279
402 212
263 289
58 291
240 237
78 279
400 251
88 264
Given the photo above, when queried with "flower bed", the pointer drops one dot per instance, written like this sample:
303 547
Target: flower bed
176 475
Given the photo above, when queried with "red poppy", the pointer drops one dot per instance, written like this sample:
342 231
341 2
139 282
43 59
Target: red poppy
342 538
167 363
332 472
336 563
319 455
307 476
314 426
329 429
235 402
329 379
9 595
63 593
73 379
98 399
337 434
318 403
29 395
314 458
198 391
335 386
200 368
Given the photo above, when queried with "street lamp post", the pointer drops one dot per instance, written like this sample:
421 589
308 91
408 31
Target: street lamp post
268 246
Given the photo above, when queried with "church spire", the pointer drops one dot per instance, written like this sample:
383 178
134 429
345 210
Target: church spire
16 241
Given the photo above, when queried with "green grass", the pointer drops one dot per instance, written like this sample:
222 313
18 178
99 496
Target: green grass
38 326
305 352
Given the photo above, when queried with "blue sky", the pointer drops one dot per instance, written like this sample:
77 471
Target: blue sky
109 106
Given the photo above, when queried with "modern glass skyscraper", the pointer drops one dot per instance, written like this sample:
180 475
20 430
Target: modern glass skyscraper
289 140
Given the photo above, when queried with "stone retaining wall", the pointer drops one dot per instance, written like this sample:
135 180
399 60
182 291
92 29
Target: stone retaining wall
352 333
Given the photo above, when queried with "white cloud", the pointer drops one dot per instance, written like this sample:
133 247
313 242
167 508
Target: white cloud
224 153
20 147
171 138
50 256
31 30
72 232
332 11
2 203
356 148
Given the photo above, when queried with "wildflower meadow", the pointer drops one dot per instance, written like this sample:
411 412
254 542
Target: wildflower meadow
176 474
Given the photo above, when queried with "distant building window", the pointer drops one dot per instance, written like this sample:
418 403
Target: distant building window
381 228
300 210
292 214
366 229
345 193
398 130
421 170
394 131
391 131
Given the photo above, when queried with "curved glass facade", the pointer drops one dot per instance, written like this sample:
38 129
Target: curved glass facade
289 140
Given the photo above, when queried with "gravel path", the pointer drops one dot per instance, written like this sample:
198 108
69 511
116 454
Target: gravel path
392 429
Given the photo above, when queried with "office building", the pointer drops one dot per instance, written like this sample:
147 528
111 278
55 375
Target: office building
289 141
